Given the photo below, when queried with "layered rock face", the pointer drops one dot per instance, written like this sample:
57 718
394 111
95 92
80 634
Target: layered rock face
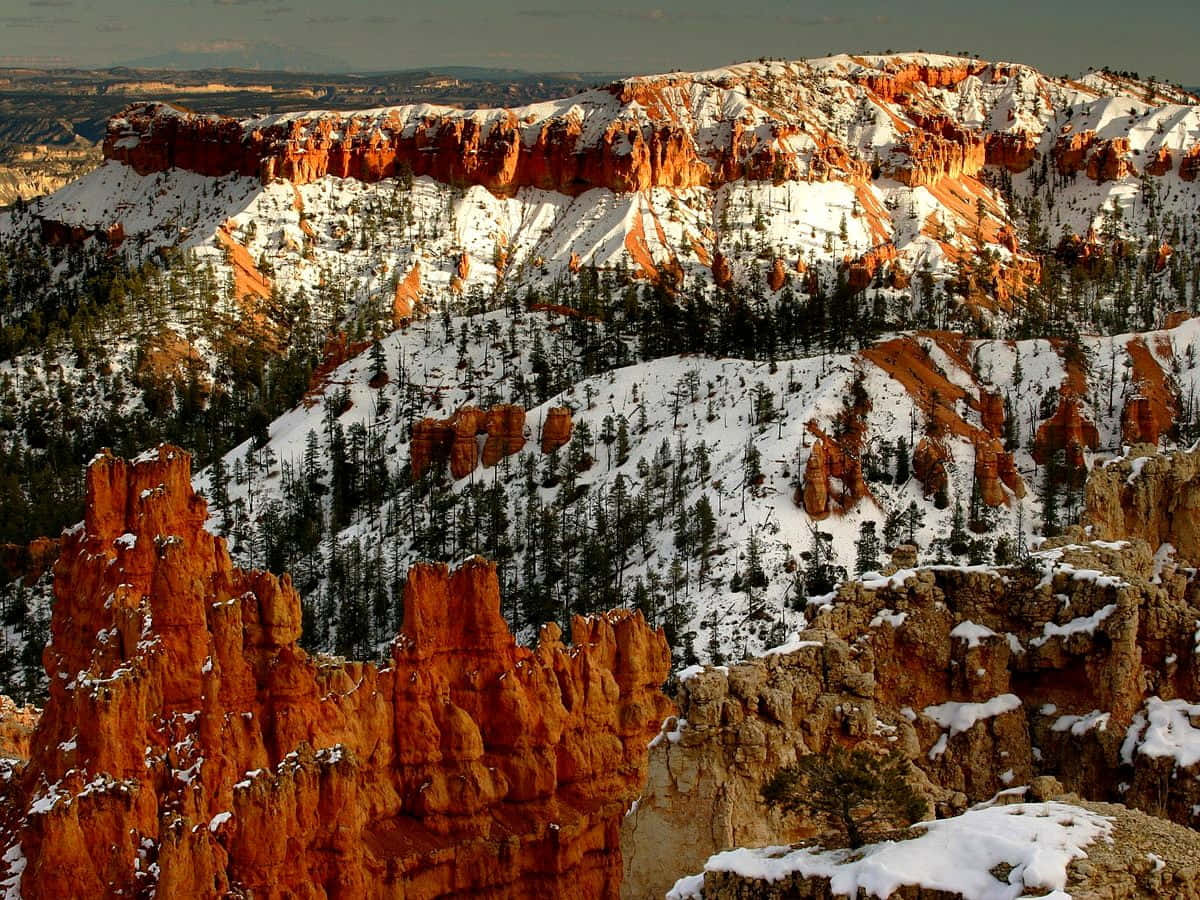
436 442
1150 497
641 133
556 430
498 154
16 729
1066 430
1080 665
189 747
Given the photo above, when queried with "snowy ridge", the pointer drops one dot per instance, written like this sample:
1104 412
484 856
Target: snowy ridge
804 216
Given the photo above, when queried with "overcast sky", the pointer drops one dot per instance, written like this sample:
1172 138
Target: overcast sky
1157 37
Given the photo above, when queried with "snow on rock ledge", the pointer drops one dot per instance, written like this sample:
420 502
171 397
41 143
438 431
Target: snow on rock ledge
1036 842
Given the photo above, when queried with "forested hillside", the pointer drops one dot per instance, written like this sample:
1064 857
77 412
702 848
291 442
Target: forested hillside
702 344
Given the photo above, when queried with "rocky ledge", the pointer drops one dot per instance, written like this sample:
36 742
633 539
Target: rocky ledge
1080 664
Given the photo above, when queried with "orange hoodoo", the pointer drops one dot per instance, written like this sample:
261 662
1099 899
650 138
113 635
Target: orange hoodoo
190 748
556 430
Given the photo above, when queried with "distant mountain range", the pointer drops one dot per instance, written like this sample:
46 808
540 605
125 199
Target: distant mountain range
58 106
257 55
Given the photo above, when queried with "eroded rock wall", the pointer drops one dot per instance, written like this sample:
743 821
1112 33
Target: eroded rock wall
985 678
189 747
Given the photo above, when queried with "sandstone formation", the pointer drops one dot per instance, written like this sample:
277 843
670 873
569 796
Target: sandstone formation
995 470
1071 150
939 148
722 271
991 412
190 748
1014 151
436 442
984 679
833 476
505 428
249 282
929 465
1161 163
1189 165
27 561
1066 430
862 271
777 277
1109 161
406 296
556 430
453 148
897 81
1151 411
16 729
1151 497
1139 424
58 234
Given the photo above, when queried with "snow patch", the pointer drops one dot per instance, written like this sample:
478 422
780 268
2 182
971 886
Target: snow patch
1037 841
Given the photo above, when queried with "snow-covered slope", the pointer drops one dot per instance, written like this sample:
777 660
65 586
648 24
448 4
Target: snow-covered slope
794 220
911 163
691 422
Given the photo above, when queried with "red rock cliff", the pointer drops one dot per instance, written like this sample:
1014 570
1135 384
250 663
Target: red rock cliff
496 153
190 748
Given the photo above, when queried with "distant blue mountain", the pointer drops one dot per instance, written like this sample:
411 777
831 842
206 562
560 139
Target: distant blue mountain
260 55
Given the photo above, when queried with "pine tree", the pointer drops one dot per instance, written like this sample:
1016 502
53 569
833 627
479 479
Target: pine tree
914 519
755 580
857 793
622 441
379 373
901 460
867 546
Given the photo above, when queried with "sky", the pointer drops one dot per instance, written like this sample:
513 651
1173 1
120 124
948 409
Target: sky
1153 37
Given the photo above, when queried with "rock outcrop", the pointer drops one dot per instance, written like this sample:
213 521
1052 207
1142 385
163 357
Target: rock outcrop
777 277
1189 165
1110 161
436 442
1070 151
1160 163
862 271
939 148
1070 666
505 428
16 729
929 465
991 412
407 296
1151 497
833 477
1067 430
1014 151
1141 858
556 430
190 748
500 154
